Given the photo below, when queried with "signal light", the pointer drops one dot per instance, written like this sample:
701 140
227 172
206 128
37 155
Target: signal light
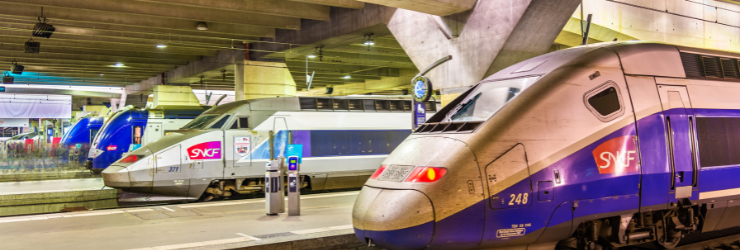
378 172
130 159
426 174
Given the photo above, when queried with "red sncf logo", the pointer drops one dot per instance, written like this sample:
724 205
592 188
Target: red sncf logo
618 155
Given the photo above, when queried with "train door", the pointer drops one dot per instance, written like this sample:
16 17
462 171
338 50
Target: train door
679 120
153 131
510 196
169 175
237 148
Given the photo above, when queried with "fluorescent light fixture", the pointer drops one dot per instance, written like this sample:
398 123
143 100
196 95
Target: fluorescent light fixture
161 46
101 74
118 65
347 77
20 84
311 56
369 42
201 26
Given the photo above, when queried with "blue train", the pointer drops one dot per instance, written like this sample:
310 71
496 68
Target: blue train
592 147
131 127
79 137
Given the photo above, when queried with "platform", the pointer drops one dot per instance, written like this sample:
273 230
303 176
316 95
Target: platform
325 218
33 197
7 176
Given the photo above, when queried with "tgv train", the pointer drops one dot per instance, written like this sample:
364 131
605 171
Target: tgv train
224 151
79 137
131 127
592 147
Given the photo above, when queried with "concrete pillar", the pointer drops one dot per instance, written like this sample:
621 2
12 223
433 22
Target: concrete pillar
493 35
239 81
267 79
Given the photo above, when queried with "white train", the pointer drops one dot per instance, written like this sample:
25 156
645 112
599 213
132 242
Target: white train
224 150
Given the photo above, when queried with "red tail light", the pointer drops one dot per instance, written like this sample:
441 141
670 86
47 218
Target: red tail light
130 159
426 174
378 172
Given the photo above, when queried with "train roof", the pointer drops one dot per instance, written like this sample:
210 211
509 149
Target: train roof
343 103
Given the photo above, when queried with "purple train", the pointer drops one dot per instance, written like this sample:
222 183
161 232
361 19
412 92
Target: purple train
593 147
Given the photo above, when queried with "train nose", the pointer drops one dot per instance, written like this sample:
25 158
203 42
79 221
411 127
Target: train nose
393 219
116 177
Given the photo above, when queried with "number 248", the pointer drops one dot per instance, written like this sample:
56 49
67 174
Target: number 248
519 199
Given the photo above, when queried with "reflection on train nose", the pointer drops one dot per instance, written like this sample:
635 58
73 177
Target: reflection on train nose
116 177
401 219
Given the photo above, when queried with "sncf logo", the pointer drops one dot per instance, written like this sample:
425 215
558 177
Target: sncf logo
205 151
618 155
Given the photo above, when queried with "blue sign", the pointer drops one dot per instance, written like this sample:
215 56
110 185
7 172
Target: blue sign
422 89
420 114
2 89
295 150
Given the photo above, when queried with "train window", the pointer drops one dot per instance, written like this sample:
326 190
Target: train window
487 98
369 104
234 125
200 121
93 133
718 139
243 122
220 123
604 101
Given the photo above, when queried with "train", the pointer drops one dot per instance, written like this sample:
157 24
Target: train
131 127
80 136
223 152
592 147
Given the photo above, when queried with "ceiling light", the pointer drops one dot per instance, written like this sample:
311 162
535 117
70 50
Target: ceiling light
101 74
43 29
311 56
16 68
369 39
7 79
32 46
161 46
201 26
347 77
118 65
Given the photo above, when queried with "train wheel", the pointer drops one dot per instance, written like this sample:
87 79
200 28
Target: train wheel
668 236
669 240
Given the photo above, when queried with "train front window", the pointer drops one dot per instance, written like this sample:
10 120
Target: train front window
200 121
488 98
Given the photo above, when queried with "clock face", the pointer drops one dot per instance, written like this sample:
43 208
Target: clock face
420 89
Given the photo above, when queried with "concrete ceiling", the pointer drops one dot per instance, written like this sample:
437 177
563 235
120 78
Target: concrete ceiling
93 35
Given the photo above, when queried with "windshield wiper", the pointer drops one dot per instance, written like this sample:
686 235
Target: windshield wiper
461 108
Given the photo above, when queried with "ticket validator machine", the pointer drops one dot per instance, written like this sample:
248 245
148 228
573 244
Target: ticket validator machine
294 186
274 196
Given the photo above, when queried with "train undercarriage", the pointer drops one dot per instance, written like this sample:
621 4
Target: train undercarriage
665 228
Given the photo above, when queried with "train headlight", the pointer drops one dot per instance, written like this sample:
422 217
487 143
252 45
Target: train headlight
130 159
426 174
378 172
